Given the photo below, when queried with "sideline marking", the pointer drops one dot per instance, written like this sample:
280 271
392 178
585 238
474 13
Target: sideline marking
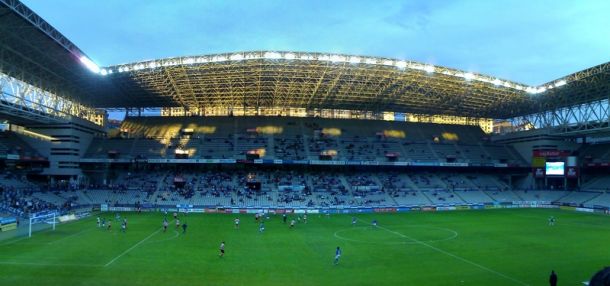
455 256
131 248
166 239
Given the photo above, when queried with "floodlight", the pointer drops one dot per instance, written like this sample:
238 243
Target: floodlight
272 55
89 64
371 61
306 57
103 72
337 58
219 59
236 57
323 58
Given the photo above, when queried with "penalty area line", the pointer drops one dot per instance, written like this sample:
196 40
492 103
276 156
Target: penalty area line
131 248
455 256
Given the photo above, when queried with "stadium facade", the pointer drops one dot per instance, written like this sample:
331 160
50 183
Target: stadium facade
278 120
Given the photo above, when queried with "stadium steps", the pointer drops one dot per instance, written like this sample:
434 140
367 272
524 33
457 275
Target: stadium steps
460 151
561 197
515 155
133 145
488 195
460 197
470 183
517 195
345 184
160 181
485 151
87 196
598 195
433 151
270 152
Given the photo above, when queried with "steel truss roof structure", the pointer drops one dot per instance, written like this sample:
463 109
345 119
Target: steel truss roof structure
34 52
313 81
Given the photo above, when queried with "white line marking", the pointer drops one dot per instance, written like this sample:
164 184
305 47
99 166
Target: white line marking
336 234
455 256
131 248
47 264
166 239
71 235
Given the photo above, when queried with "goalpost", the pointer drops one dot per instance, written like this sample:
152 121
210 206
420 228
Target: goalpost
45 217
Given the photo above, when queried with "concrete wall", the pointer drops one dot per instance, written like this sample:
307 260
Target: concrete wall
69 144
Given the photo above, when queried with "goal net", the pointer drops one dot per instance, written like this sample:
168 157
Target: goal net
42 221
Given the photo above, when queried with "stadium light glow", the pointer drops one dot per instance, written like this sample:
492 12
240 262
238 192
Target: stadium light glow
236 57
354 60
334 58
89 64
272 56
219 59
324 58
306 57
401 64
337 58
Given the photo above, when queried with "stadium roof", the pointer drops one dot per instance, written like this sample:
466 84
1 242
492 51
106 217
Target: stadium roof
33 51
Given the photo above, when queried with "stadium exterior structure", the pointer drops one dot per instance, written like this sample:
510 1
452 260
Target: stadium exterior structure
48 84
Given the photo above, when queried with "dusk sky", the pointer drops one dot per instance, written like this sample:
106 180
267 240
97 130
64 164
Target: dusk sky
527 41
531 42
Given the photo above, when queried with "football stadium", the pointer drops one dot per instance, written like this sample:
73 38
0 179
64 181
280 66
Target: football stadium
285 167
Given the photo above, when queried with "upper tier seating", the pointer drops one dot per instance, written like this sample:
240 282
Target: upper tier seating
302 138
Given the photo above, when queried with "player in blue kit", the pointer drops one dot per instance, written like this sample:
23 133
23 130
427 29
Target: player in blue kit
337 255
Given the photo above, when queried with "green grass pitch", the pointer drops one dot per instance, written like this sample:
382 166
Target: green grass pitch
487 247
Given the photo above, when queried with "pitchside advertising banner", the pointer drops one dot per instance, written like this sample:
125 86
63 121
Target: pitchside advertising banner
8 223
273 210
